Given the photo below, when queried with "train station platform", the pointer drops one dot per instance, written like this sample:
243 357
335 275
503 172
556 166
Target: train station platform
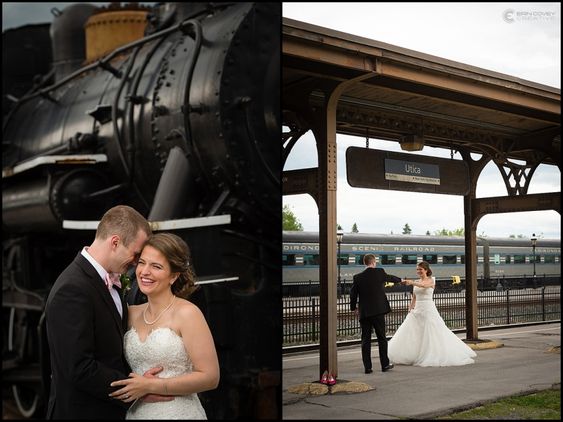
529 360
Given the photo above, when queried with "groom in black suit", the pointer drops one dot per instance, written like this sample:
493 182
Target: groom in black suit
369 285
86 318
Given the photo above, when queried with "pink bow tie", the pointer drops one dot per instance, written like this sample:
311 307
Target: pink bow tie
112 279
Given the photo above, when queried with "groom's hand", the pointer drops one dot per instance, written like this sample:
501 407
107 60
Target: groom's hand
153 398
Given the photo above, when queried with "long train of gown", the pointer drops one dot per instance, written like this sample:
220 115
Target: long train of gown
423 339
162 347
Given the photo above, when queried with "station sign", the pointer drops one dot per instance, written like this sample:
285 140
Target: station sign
409 171
378 169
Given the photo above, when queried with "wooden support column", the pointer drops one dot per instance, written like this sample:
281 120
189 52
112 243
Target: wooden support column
470 229
470 268
474 210
325 135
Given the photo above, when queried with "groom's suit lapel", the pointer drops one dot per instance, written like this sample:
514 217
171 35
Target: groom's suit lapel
125 310
102 291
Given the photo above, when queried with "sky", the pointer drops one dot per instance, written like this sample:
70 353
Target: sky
18 14
517 39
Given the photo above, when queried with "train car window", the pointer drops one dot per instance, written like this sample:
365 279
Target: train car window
387 259
343 259
359 259
431 259
288 259
310 259
462 259
536 257
519 259
449 259
408 259
549 259
507 259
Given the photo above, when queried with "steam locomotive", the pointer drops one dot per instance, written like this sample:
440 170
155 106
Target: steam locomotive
172 109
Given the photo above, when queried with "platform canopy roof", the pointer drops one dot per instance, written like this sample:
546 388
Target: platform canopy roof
419 99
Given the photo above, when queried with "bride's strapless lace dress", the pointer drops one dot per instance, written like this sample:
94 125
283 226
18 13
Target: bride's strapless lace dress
162 347
423 339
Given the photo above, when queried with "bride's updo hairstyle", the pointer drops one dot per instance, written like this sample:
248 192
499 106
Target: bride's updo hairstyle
178 255
425 265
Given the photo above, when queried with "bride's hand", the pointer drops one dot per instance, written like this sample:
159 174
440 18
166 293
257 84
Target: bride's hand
132 389
136 387
155 398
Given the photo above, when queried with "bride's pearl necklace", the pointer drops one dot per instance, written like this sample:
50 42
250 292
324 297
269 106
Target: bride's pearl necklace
159 315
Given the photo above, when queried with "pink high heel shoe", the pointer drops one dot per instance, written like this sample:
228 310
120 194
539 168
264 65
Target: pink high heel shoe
331 380
324 378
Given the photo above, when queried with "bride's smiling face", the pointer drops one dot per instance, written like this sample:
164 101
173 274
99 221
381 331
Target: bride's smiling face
153 272
421 272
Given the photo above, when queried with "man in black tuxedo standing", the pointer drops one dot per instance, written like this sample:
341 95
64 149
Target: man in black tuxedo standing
370 285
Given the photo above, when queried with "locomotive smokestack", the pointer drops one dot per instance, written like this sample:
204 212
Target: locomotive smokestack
68 39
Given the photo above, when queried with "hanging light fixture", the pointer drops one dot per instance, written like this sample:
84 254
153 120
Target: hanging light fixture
411 142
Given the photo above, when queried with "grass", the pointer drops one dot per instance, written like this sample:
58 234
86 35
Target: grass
541 405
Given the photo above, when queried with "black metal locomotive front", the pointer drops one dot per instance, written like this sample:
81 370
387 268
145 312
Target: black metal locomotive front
182 123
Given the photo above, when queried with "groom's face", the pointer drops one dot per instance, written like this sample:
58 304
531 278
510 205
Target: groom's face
127 256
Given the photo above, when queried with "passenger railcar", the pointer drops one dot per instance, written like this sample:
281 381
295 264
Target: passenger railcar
497 258
172 109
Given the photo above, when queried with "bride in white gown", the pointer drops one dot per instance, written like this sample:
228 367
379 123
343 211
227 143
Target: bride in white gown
423 339
167 332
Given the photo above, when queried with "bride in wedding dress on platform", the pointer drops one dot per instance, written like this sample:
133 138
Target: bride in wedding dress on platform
168 332
423 339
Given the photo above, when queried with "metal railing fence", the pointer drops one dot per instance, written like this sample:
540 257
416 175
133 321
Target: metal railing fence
301 315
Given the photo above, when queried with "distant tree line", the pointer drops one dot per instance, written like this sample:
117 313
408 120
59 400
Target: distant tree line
291 222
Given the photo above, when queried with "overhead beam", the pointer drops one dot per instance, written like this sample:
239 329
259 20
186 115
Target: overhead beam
502 204
296 182
321 45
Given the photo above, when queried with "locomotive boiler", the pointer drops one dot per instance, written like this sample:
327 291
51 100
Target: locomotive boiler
173 110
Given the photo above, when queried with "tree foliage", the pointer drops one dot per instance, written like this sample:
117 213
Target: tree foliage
355 228
445 232
290 221
407 229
